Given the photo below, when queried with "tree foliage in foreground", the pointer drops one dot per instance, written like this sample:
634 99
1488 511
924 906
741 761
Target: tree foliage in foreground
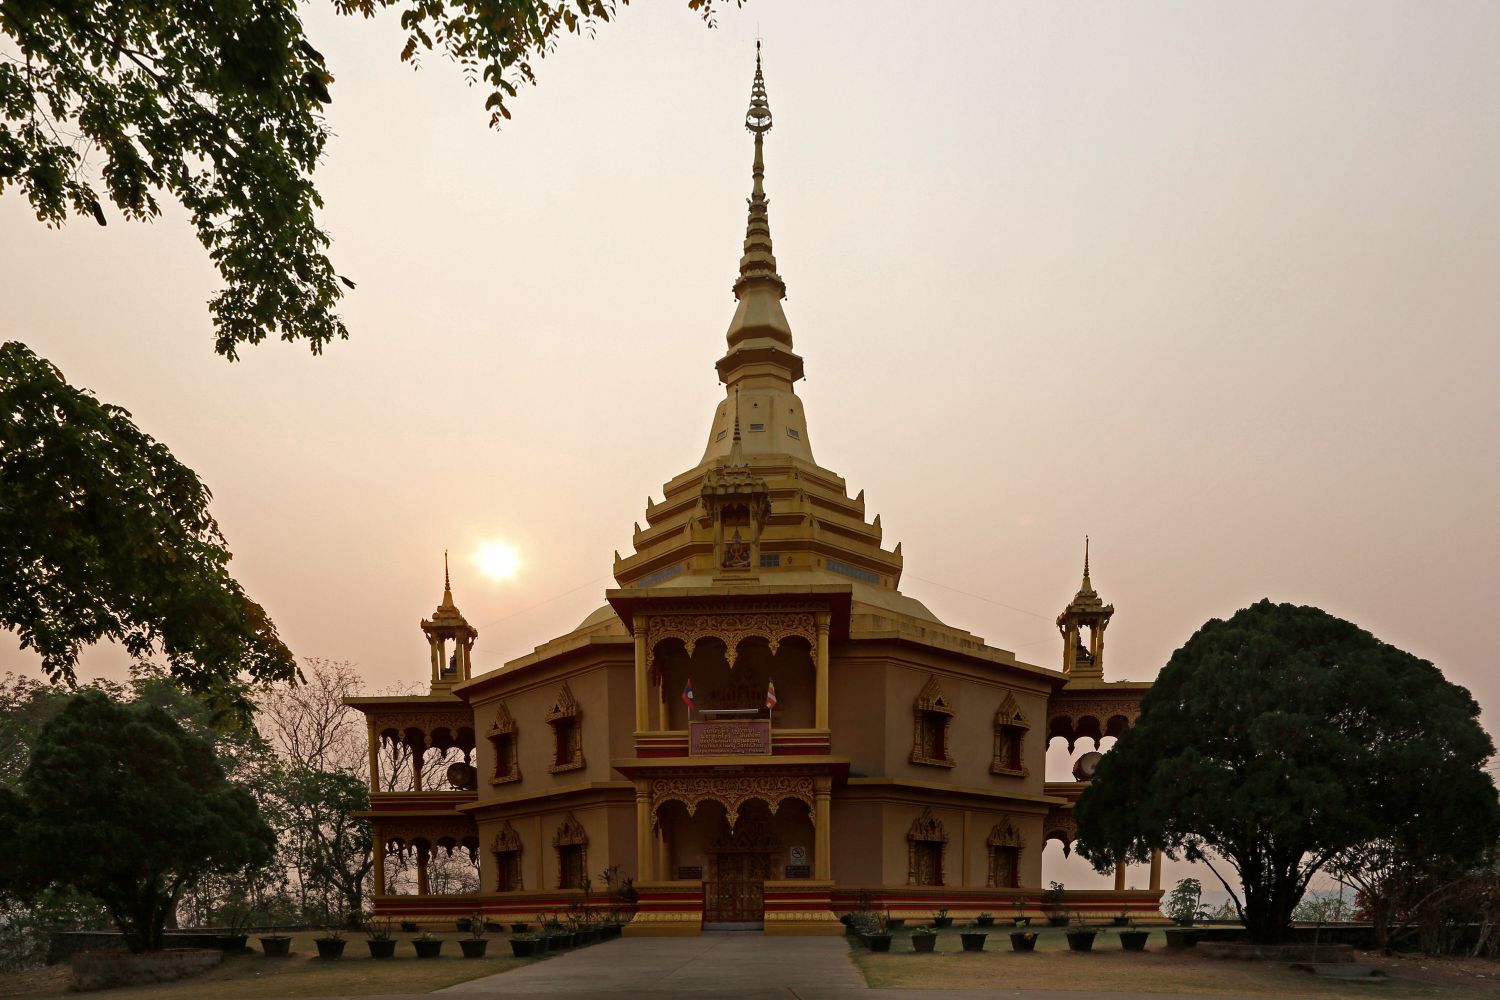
217 104
104 535
1282 739
122 803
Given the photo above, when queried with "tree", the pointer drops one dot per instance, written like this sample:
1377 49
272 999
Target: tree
122 803
1280 738
105 535
217 104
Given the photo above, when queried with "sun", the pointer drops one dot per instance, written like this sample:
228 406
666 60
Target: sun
498 560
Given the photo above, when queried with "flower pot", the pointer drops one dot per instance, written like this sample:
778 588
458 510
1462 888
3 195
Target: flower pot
555 942
897 923
520 927
463 924
983 921
494 926
1081 940
409 926
1180 938
231 944
382 947
1021 921
276 945
923 942
523 947
428 949
1134 940
473 947
1057 921
878 942
1023 940
942 921
973 942
330 948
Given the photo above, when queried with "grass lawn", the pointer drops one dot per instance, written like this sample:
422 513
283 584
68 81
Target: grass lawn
1109 968
301 974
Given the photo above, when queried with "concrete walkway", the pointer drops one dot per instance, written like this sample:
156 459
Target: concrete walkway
708 965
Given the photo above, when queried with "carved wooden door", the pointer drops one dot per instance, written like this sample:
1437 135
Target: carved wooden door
736 895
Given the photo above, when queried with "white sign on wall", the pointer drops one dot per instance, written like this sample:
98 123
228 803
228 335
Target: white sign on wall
799 855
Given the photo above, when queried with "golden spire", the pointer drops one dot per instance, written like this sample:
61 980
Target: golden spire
758 265
1086 585
447 586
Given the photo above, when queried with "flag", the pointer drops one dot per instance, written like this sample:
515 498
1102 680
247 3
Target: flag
687 694
770 694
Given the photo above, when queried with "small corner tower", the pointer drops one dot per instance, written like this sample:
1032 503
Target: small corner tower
451 638
1086 611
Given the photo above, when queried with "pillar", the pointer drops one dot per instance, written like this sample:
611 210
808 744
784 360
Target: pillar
374 759
822 831
644 868
437 658
1156 871
820 664
663 867
1120 877
379 862
423 887
642 682
416 768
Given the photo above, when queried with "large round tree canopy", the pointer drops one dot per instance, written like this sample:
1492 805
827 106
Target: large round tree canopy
1282 737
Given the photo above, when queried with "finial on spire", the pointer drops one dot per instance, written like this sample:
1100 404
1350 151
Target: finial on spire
758 265
1085 560
447 586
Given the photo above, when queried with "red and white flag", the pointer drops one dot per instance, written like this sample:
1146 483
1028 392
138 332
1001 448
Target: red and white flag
770 694
687 694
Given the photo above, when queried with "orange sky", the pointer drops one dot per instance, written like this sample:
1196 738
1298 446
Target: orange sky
1213 283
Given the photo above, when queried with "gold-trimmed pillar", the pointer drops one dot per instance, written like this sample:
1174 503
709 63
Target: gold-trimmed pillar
822 832
820 665
644 869
374 758
642 681
1156 871
416 768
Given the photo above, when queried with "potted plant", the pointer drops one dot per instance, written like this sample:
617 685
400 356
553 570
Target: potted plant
1133 939
875 931
427 946
1080 936
409 926
985 920
1020 919
1054 904
973 940
923 938
520 927
1122 919
494 926
233 941
1023 940
474 945
463 924
1183 900
941 918
378 930
275 945
527 945
331 944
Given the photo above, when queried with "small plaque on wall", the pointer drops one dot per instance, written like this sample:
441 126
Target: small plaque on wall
690 872
798 871
798 856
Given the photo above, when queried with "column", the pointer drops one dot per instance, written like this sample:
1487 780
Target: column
968 832
663 868
1120 876
642 682
374 759
379 853
416 767
1156 871
644 869
820 664
822 831
423 888
437 658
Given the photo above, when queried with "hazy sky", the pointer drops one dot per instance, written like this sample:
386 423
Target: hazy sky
1215 283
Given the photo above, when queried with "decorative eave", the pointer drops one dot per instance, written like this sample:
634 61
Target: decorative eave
837 598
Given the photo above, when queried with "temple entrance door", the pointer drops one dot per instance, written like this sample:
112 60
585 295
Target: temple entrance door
734 895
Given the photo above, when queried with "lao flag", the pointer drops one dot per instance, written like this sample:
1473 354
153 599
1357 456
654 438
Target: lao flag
770 694
687 694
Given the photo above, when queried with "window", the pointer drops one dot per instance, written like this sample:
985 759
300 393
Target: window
926 843
1010 737
791 432
566 720
757 427
931 714
720 435
769 562
571 842
502 738
507 850
1005 845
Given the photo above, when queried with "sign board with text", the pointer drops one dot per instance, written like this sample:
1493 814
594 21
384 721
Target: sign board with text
729 738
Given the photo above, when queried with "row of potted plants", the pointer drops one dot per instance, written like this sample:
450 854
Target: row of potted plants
557 934
875 930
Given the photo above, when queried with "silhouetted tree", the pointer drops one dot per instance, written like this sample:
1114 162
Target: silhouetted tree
1281 739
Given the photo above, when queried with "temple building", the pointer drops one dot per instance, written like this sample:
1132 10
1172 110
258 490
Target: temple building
758 727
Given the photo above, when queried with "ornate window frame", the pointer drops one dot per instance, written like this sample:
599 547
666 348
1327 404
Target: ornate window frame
932 708
507 850
1004 836
505 745
926 829
565 710
571 834
1011 727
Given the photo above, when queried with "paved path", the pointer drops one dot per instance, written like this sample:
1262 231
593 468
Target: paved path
726 964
